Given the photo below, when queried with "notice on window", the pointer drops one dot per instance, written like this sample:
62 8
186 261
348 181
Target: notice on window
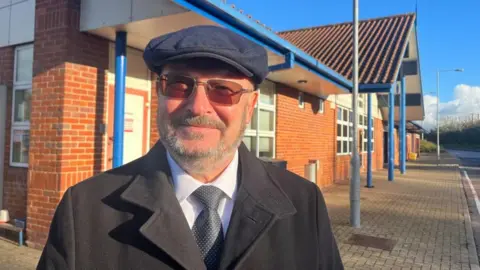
128 122
18 136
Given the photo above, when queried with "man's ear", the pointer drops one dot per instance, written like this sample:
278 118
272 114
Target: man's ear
252 100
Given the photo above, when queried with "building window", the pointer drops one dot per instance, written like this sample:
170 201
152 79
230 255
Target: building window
263 123
363 125
321 105
344 129
22 92
361 102
301 101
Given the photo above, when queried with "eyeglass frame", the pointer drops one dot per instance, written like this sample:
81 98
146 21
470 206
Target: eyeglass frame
196 83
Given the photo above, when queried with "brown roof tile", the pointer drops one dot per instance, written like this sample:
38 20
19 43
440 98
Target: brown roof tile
381 43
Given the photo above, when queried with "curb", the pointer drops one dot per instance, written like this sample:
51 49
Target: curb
472 249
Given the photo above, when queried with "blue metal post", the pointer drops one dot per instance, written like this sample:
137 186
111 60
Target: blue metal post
369 141
119 114
391 138
20 238
403 137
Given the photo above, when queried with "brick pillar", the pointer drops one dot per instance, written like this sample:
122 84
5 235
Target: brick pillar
68 108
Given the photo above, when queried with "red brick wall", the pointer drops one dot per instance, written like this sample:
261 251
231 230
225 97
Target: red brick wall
68 109
378 149
409 144
15 178
302 134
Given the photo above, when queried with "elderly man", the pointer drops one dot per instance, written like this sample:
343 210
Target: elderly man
198 199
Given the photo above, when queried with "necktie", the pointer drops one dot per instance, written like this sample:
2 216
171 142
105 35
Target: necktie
207 228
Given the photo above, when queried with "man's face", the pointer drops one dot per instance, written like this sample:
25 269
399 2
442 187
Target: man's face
195 128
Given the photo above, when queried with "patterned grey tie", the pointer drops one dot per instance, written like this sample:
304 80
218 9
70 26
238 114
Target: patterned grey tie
207 230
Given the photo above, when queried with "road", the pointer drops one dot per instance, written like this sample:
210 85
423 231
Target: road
469 162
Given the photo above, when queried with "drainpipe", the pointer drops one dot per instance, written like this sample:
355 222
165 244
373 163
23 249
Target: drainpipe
391 138
289 63
119 113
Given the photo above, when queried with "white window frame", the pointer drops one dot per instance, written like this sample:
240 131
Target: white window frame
364 127
348 138
266 107
301 100
18 86
321 105
361 101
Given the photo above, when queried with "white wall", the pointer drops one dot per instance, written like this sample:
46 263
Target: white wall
17 22
138 75
346 102
103 13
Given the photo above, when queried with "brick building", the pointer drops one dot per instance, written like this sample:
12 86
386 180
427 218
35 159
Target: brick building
58 82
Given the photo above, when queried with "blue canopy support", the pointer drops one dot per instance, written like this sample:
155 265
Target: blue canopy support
119 107
391 130
403 127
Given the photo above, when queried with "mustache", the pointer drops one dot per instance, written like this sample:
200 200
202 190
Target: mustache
201 121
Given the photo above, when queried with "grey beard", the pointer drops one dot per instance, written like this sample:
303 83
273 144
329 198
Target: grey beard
197 161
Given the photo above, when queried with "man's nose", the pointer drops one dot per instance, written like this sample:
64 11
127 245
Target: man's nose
198 102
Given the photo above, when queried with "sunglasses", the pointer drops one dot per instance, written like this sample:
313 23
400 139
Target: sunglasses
221 92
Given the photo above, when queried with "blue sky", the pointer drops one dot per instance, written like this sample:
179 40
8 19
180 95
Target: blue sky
449 32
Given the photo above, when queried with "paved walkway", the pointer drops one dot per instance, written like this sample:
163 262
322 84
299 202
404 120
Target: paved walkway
13 257
419 221
422 217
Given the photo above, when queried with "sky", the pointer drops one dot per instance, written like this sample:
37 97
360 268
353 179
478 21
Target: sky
448 37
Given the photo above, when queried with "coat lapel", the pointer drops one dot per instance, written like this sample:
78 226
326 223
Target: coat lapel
259 204
167 227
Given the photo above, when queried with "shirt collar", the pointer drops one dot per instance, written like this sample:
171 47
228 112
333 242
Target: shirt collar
185 184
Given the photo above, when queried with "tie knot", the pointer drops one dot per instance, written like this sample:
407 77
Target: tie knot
209 196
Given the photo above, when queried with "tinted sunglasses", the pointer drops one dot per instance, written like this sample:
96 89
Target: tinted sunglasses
222 92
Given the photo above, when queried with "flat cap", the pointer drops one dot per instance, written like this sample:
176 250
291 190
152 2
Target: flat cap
207 41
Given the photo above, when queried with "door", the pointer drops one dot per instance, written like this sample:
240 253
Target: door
135 125
135 130
3 120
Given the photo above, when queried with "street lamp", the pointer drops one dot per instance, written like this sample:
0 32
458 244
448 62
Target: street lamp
438 106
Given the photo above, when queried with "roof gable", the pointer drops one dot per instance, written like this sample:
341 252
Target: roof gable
382 42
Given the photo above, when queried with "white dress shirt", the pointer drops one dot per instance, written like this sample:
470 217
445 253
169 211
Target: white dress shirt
185 185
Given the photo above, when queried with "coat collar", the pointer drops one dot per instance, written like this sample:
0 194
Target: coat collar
167 227
259 203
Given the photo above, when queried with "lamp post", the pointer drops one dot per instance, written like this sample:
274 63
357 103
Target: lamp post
355 160
438 106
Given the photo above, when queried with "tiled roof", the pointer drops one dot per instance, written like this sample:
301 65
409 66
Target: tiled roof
381 43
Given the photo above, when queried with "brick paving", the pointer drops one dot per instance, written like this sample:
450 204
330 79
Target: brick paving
13 257
425 211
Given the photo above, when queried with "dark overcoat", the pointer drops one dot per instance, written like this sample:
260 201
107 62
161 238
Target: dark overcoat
130 218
